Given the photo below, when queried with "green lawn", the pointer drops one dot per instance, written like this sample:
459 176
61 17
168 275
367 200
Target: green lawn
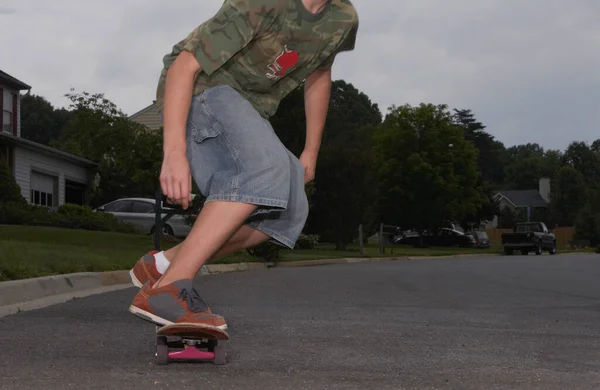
27 251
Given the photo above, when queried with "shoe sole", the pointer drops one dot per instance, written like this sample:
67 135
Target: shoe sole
136 282
156 320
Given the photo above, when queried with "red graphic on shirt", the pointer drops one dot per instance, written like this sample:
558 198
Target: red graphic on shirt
283 63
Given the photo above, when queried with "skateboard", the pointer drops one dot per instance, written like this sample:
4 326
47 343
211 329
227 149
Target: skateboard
192 343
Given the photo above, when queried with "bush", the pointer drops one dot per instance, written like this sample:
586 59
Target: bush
82 217
307 241
16 213
9 189
268 251
67 216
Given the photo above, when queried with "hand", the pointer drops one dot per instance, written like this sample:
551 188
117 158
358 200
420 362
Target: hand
309 161
176 179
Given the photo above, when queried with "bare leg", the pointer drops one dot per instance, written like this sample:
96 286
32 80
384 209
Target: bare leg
244 238
217 223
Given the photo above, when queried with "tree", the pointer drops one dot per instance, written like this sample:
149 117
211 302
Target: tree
508 218
348 109
583 158
343 190
568 196
526 151
587 225
551 163
524 173
40 121
489 208
492 154
525 167
128 155
289 122
427 172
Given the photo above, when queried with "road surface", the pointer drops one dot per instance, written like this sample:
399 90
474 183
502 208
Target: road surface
478 323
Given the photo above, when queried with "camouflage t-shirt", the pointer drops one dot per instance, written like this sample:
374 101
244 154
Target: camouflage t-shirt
265 48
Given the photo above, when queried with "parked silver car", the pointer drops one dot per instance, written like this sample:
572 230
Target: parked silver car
140 213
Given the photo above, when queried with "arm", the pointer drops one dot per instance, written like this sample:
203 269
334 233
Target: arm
175 175
317 91
178 96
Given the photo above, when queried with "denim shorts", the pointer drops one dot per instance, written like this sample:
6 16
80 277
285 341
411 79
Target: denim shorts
235 156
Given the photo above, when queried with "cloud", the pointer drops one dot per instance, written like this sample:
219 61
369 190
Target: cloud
528 70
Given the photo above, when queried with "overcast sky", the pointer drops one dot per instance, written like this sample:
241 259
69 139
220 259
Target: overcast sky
529 69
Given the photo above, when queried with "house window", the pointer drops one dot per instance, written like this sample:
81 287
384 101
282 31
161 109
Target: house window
43 189
41 198
7 122
7 112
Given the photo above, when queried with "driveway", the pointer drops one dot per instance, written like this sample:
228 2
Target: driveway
478 323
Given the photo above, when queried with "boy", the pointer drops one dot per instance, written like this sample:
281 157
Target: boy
217 90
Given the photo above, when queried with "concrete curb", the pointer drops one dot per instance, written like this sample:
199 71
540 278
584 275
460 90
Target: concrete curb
80 284
310 263
212 269
16 291
40 303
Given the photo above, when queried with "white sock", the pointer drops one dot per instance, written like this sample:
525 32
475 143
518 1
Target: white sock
161 262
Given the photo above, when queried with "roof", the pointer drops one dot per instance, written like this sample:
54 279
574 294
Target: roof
12 82
143 110
11 139
524 198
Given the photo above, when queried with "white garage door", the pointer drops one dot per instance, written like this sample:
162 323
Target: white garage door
43 189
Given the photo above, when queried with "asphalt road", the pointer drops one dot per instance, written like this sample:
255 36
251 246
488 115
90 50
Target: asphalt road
489 323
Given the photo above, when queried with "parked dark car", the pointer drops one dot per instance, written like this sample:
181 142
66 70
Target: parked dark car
529 237
482 240
444 237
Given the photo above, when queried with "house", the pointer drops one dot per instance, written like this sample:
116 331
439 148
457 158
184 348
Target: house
522 199
148 117
47 176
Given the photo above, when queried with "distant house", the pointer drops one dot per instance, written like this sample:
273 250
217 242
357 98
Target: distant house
521 199
47 176
148 117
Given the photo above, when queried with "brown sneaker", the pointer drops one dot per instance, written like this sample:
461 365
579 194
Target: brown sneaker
145 270
174 303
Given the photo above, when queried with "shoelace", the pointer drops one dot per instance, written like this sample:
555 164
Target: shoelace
193 299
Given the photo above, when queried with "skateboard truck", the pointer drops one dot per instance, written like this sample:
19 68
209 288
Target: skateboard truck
190 345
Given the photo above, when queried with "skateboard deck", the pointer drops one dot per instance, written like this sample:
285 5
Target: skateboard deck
192 332
196 343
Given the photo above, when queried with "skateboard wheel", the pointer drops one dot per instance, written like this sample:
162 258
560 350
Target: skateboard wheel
162 351
211 345
220 356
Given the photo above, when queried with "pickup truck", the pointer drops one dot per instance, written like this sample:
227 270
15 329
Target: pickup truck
529 237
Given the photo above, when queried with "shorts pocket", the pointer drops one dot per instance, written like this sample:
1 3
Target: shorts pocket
200 134
200 123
